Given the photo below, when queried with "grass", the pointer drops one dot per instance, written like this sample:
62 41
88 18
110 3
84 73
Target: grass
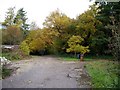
69 58
86 58
102 70
13 56
74 59
104 74
6 72
10 56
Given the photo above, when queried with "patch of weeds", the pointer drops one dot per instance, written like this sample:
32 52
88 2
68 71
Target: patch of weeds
103 73
6 72
11 56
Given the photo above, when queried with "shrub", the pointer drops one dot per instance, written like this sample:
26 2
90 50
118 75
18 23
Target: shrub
25 48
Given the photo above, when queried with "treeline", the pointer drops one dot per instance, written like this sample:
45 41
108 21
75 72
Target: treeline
15 27
96 32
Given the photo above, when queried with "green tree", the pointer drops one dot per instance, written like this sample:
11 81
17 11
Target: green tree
21 19
75 46
109 14
99 43
9 19
86 24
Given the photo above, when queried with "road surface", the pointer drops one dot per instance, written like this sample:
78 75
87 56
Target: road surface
47 72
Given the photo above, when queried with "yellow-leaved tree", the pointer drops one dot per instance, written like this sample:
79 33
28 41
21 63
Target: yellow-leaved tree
38 40
75 46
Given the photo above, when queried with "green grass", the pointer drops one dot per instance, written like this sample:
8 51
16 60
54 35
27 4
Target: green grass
100 57
74 59
6 72
69 58
103 73
102 70
10 56
86 58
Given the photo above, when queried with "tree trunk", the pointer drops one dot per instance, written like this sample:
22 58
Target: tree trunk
82 57
75 54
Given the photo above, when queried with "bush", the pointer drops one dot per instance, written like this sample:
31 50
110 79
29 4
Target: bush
25 48
11 56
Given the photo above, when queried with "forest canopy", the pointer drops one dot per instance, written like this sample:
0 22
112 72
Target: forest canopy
96 31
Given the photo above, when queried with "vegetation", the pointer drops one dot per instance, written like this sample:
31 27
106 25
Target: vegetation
11 56
74 44
110 16
14 26
12 35
103 73
94 32
24 47
61 34
87 58
6 72
97 31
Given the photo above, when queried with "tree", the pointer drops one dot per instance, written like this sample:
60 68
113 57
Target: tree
39 40
33 26
86 24
74 44
12 35
61 24
109 14
18 20
9 19
99 43
57 21
21 19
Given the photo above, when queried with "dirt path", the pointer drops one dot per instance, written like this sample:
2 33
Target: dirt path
47 72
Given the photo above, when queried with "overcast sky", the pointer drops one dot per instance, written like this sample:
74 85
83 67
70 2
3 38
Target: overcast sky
37 10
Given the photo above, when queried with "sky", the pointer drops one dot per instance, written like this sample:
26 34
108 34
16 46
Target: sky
38 10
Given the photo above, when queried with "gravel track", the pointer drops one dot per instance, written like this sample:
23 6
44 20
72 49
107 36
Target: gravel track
47 72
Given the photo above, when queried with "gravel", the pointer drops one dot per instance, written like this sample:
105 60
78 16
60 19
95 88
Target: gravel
47 72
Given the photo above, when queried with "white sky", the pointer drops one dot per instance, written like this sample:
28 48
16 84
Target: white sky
37 10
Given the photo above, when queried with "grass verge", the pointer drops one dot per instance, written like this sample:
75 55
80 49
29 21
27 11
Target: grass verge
86 58
10 56
103 73
69 58
6 72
